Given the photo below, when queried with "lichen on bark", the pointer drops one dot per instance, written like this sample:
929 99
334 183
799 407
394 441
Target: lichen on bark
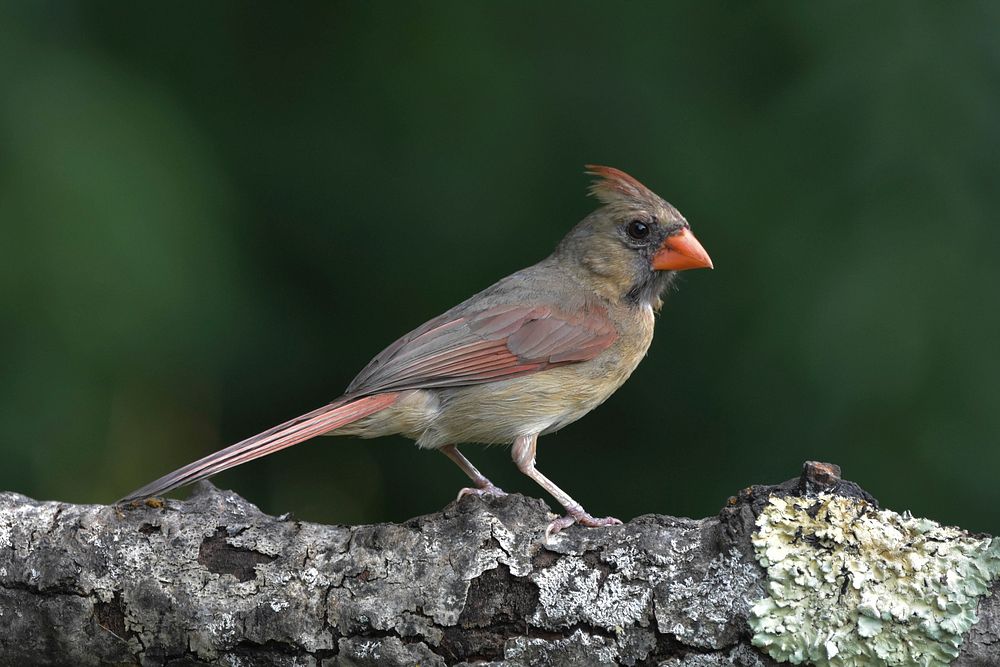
850 585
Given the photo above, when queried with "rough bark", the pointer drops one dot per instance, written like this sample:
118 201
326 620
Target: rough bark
214 580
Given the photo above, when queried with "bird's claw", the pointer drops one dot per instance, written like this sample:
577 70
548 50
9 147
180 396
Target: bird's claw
490 489
557 525
578 515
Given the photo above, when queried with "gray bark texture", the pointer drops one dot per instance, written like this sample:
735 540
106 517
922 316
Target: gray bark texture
212 580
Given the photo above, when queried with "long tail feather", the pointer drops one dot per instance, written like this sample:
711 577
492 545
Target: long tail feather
309 425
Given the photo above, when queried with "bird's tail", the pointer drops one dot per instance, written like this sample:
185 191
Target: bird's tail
325 419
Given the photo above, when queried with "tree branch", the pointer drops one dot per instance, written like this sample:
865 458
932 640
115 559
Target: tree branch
214 580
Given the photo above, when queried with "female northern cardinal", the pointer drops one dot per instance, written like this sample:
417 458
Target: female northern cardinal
532 353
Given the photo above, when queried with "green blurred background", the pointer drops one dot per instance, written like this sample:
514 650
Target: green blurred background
214 214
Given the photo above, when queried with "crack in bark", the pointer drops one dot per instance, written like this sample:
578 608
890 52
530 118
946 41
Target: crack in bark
221 557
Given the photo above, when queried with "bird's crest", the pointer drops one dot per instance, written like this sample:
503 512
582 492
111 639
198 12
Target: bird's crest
613 186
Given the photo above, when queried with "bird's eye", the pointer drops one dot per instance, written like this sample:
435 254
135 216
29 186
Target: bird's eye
638 230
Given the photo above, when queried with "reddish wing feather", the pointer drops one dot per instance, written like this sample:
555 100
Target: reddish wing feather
492 344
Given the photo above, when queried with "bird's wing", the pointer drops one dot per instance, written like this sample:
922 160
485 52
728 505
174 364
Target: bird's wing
495 343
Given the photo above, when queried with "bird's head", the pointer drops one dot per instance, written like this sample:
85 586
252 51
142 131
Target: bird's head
631 246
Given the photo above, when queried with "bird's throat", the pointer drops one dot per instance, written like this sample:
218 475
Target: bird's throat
649 290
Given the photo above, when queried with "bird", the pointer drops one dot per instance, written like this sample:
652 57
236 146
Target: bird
528 355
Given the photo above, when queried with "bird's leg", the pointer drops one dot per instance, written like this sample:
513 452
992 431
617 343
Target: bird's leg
483 485
523 454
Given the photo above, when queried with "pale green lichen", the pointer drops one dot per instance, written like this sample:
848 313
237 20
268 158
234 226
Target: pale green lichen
850 585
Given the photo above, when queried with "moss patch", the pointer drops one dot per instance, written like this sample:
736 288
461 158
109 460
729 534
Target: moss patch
853 585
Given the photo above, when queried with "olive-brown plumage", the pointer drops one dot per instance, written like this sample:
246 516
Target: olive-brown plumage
526 356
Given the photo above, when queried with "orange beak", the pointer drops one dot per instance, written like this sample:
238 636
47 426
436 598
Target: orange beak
681 252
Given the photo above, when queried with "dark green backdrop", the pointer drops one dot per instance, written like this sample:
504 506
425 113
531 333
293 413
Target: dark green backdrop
213 215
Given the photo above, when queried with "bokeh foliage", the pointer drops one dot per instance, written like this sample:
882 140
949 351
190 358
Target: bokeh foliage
214 214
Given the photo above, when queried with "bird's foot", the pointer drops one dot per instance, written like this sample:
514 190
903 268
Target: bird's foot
488 489
576 514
